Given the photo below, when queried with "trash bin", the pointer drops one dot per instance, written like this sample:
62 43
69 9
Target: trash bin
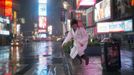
110 55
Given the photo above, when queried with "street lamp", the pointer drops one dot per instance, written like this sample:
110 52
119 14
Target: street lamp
66 5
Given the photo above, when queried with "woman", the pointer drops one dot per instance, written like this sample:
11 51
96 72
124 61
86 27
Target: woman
80 37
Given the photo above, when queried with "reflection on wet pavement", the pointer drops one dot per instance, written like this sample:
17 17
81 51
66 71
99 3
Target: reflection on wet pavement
45 58
48 60
19 59
9 59
94 67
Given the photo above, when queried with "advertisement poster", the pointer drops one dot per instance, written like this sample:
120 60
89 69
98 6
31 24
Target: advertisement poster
8 8
123 8
113 55
102 10
102 28
118 26
42 22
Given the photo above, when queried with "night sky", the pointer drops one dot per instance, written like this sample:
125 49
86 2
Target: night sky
29 11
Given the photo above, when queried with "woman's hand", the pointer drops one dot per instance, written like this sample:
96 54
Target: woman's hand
81 44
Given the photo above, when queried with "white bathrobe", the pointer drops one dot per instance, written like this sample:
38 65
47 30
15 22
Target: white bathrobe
79 36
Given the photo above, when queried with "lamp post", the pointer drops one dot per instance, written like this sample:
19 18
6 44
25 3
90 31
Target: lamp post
66 5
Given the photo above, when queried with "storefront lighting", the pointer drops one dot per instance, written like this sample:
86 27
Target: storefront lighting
50 29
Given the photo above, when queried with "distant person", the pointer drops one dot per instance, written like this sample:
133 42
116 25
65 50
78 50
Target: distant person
80 38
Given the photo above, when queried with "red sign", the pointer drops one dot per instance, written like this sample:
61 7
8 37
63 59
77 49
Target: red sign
2 4
8 8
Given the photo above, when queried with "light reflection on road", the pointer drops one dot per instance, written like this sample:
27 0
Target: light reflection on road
10 60
44 50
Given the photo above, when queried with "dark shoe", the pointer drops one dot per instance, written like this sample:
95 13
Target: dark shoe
80 59
86 59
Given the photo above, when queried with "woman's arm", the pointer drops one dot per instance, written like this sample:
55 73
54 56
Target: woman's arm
67 38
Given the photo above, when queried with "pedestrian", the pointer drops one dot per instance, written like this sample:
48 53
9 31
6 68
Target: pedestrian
80 38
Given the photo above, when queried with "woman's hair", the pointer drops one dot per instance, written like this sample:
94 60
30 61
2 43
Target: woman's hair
74 21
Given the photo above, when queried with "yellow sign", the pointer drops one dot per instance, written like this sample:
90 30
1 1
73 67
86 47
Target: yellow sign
14 26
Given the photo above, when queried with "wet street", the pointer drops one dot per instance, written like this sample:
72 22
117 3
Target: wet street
46 58
35 56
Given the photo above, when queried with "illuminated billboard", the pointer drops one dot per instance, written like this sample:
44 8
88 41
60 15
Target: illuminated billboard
42 12
123 8
84 3
6 8
42 1
102 10
42 23
42 9
118 26
87 2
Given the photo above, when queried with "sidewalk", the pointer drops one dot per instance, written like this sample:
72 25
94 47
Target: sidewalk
94 67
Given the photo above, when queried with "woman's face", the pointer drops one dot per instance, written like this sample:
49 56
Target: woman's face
74 26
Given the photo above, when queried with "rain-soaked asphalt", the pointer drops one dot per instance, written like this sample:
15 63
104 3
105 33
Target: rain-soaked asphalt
33 56
46 58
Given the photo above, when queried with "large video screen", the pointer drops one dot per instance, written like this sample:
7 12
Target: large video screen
42 9
87 2
102 10
42 1
123 8
118 26
42 24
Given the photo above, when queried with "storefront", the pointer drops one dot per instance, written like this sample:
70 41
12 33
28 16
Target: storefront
114 18
85 13
4 31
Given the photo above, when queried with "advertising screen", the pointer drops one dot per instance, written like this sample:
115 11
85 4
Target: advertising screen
42 9
87 2
102 10
8 8
42 24
119 26
123 8
42 1
102 27
3 26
